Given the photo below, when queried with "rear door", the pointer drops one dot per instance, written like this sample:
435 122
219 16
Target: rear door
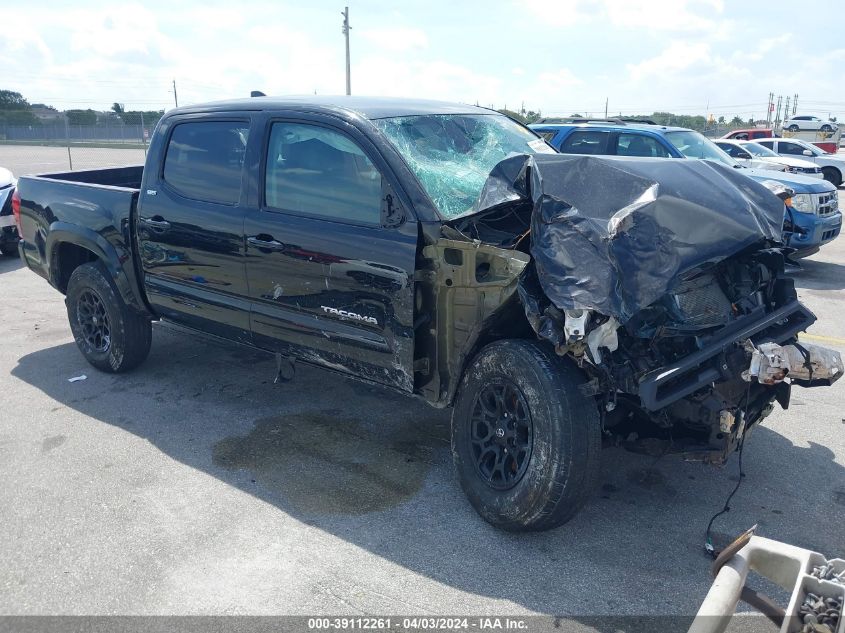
586 142
635 144
330 251
190 225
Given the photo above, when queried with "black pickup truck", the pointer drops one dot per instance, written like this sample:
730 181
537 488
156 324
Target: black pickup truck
445 251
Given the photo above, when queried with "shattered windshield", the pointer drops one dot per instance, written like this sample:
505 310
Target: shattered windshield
452 154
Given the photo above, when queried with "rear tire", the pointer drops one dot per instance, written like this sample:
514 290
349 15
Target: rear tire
525 440
110 335
832 175
9 251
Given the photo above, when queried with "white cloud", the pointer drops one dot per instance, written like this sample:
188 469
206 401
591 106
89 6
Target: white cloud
398 39
563 12
650 15
436 79
678 56
114 30
561 79
644 56
664 15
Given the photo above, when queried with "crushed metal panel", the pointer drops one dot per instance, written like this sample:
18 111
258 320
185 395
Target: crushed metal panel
614 234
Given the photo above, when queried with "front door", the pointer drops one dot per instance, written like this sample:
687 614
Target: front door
330 254
190 227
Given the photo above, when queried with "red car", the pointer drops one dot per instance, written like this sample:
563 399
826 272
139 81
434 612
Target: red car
750 135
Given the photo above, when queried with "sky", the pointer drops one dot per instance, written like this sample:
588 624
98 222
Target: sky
719 57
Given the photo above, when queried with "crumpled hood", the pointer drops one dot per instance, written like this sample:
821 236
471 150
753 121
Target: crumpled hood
613 234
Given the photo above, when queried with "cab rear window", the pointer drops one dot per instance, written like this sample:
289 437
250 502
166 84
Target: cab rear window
205 159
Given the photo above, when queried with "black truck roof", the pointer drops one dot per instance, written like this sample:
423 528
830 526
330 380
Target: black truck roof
367 107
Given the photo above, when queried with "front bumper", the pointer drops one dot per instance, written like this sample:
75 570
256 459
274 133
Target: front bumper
670 383
814 174
819 230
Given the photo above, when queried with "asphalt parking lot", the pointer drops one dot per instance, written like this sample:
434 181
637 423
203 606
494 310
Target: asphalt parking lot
194 485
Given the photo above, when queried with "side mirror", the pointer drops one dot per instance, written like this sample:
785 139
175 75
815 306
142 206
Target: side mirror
807 152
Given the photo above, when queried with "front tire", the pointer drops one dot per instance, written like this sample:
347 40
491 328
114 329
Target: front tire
826 128
525 440
111 336
793 128
832 175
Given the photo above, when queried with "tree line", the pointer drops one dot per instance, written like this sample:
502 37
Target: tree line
15 109
694 122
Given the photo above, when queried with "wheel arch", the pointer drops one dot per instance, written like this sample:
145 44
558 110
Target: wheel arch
833 168
68 246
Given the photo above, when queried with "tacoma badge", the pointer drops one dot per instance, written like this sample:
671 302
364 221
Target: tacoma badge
350 315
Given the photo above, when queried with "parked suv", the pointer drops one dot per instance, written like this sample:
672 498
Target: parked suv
797 123
819 222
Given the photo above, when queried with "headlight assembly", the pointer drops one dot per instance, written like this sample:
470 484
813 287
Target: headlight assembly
803 202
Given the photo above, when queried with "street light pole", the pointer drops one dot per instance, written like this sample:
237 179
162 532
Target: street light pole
346 28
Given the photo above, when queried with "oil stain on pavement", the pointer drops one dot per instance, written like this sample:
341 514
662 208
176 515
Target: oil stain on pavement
322 463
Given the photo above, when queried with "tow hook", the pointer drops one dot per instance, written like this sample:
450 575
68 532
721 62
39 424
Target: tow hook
805 365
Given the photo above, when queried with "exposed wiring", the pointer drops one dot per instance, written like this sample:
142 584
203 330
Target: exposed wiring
708 541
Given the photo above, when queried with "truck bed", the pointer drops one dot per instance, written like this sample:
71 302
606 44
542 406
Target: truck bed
76 216
126 177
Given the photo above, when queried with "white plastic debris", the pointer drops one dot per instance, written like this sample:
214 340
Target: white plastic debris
79 378
603 336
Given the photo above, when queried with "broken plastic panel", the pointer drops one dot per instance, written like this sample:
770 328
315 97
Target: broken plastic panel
615 234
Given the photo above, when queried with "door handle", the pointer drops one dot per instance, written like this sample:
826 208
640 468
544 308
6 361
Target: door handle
156 222
265 242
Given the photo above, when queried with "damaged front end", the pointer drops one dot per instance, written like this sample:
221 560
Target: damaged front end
664 281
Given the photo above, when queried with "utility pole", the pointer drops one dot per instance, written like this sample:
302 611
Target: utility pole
795 104
175 98
346 28
606 101
769 110
786 109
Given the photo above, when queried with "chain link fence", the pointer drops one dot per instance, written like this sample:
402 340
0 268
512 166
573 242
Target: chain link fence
61 146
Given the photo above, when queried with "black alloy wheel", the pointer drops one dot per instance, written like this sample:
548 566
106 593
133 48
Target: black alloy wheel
94 321
501 434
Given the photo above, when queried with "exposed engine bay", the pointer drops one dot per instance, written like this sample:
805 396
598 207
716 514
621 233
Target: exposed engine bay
663 280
